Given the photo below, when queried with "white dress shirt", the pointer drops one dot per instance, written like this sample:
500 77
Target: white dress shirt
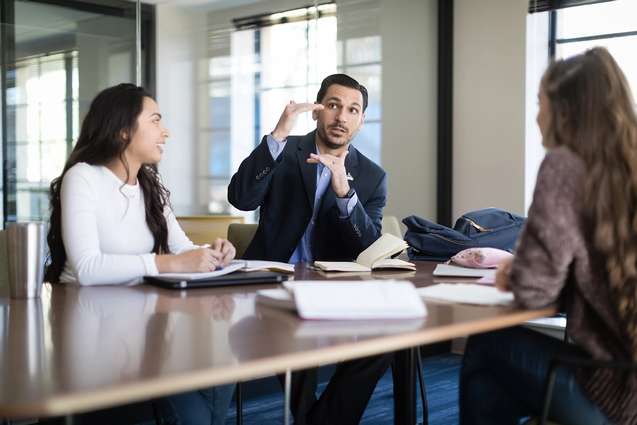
106 238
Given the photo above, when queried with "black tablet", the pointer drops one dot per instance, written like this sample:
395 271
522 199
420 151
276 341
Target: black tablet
231 279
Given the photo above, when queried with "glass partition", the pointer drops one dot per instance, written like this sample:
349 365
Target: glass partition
55 59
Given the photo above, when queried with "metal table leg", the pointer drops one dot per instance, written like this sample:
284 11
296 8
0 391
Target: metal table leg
404 374
288 392
238 400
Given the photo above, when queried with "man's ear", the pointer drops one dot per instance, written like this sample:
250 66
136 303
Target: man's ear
315 114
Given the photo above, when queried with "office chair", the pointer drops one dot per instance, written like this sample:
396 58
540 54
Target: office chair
202 229
240 235
576 362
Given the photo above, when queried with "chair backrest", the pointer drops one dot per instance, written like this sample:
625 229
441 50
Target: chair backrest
391 225
203 229
240 235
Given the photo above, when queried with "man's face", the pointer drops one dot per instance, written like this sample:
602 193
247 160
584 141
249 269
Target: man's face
342 117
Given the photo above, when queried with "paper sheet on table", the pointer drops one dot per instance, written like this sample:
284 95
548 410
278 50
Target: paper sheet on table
458 271
466 293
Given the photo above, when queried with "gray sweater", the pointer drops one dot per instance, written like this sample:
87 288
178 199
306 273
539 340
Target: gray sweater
555 262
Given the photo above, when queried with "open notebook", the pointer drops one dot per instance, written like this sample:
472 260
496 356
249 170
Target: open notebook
235 265
238 272
376 256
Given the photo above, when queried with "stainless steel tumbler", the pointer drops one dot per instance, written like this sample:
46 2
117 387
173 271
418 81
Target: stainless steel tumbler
26 243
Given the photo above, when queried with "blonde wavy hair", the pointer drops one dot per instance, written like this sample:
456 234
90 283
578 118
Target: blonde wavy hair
592 113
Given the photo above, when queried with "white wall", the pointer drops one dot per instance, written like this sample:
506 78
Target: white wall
180 35
489 105
409 30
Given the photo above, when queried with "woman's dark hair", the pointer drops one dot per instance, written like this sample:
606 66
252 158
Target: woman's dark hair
341 80
106 132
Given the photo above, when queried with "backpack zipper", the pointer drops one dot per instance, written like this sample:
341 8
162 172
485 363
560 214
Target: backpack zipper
476 225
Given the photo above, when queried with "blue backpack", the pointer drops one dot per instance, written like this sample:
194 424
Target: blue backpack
489 227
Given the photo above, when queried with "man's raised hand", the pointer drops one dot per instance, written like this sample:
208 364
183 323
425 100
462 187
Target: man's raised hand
288 118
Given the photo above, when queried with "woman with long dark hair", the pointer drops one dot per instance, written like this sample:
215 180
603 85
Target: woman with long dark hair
111 221
578 249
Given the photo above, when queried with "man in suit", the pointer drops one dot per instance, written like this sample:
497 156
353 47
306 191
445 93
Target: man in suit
319 199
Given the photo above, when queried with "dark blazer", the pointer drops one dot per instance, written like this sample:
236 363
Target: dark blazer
284 190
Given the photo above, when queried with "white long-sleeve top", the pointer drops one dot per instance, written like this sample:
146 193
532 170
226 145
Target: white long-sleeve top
104 230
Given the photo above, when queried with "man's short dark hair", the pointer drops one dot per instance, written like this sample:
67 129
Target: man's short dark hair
341 80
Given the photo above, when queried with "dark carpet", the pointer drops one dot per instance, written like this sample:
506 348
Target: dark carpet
441 381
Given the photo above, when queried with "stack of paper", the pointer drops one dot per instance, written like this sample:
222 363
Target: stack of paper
466 293
449 270
347 300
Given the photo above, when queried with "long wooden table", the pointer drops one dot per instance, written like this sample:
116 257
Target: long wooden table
85 348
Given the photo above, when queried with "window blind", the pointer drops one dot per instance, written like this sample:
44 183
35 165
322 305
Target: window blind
548 5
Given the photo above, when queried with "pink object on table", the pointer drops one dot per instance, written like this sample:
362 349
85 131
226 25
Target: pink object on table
481 258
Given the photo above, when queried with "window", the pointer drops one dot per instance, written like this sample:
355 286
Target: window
257 68
566 32
44 103
610 24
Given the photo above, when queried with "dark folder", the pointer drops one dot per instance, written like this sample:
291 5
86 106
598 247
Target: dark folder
231 279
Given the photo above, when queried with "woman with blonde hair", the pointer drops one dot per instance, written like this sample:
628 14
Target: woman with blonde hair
578 250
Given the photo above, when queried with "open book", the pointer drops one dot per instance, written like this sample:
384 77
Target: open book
376 256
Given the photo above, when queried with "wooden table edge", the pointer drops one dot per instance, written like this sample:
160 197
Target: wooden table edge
167 385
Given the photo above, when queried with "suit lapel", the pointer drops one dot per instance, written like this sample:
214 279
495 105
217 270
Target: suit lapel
308 171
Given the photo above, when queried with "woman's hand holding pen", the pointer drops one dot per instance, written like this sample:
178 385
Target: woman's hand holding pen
197 260
225 251
202 259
